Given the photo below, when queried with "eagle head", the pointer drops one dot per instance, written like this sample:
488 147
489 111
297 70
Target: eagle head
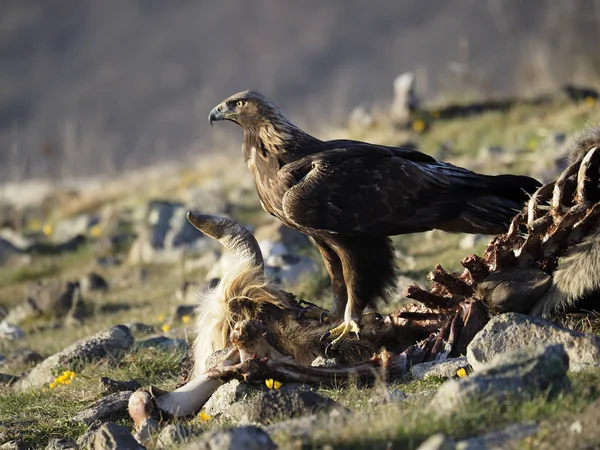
249 109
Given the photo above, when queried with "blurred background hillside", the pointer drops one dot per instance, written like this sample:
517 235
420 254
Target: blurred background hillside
98 87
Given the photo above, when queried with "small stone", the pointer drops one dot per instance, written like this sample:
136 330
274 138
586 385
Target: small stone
388 396
7 379
110 344
14 445
111 386
146 431
111 407
19 361
138 328
183 311
172 435
62 444
225 396
438 441
93 282
110 436
499 439
525 372
298 428
438 369
10 332
509 331
247 437
163 343
275 405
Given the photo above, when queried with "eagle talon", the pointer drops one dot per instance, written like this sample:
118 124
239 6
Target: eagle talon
328 349
342 331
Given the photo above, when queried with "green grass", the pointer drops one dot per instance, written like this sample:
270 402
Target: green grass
407 424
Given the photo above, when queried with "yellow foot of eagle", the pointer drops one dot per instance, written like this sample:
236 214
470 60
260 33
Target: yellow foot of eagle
341 331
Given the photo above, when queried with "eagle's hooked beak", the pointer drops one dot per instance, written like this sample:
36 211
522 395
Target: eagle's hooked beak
217 113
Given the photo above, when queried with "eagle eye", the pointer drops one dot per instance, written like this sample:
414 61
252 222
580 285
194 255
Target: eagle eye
240 103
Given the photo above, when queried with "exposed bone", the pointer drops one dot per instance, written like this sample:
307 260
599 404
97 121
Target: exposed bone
558 194
230 234
183 401
541 195
453 284
427 298
587 190
477 268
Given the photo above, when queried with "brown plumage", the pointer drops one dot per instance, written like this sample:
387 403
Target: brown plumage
350 196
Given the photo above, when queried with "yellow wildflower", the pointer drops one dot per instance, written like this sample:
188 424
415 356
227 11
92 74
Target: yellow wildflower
418 125
186 319
589 100
273 384
47 229
166 328
462 372
95 231
52 385
203 416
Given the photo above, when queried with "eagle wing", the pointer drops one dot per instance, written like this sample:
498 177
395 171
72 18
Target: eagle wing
369 189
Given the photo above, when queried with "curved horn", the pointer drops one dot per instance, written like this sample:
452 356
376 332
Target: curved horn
233 236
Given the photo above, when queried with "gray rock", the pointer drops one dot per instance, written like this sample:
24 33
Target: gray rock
289 269
146 431
248 438
163 343
388 396
62 444
111 407
510 331
10 332
111 386
109 344
225 396
216 357
138 328
19 361
183 311
166 235
55 298
499 439
14 445
298 428
277 239
93 282
172 435
23 311
438 441
110 436
405 99
438 369
521 373
7 379
270 406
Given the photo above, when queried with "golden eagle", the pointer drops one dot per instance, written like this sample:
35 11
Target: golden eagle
350 196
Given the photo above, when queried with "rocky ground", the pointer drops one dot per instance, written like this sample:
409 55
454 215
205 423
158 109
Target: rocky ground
99 278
